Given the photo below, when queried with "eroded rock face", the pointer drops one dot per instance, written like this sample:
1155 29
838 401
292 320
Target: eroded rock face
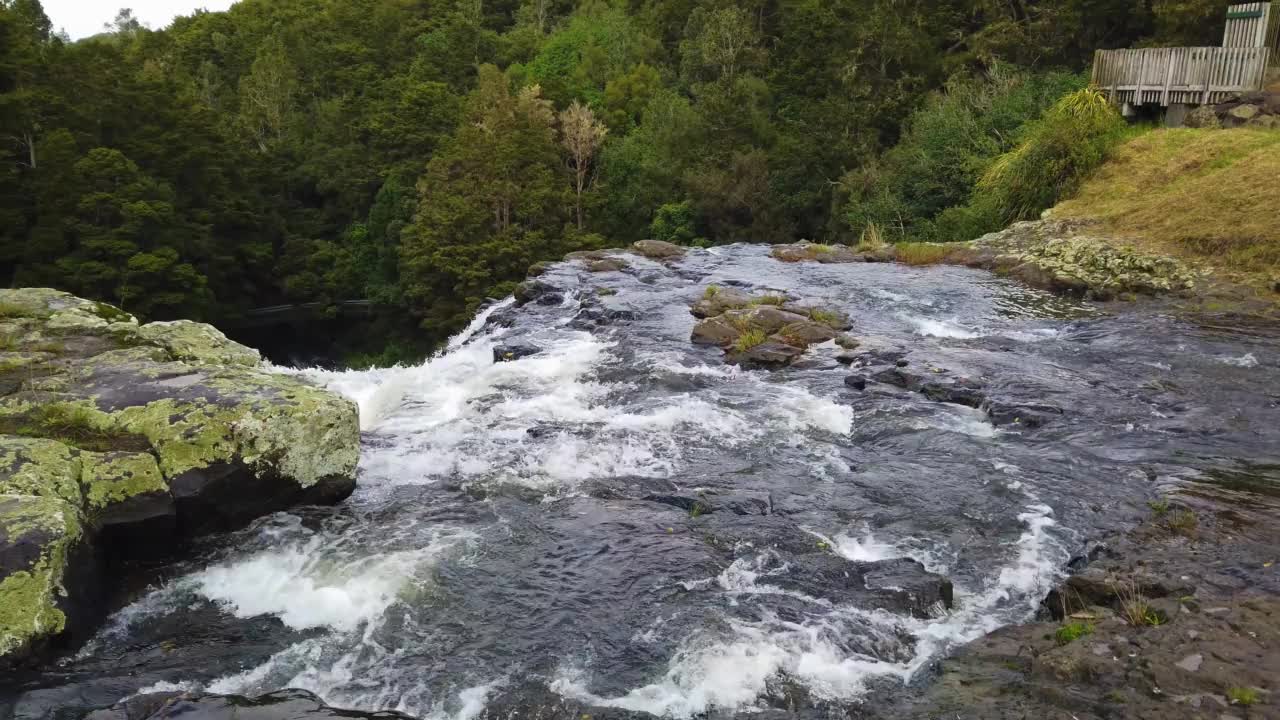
120 434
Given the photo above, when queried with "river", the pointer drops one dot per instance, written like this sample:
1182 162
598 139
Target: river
630 522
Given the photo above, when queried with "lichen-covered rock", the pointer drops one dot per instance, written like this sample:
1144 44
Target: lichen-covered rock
814 252
198 342
41 540
658 249
143 433
607 265
765 318
1058 255
717 300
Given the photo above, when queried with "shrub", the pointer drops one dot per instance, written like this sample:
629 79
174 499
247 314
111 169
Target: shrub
675 223
1054 157
945 148
749 340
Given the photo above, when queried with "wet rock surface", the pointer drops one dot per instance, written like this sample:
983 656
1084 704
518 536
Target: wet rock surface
122 437
1179 618
283 705
624 525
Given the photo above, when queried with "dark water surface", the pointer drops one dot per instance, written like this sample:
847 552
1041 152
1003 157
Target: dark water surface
629 520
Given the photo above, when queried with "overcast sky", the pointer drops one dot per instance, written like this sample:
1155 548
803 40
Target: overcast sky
82 18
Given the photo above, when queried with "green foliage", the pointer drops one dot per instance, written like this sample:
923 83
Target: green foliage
77 426
914 190
826 317
750 339
317 151
1071 632
1055 155
774 300
675 223
491 204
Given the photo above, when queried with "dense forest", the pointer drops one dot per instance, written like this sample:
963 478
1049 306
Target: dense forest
421 154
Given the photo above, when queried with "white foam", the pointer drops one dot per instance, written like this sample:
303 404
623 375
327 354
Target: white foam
315 583
1245 361
732 669
930 327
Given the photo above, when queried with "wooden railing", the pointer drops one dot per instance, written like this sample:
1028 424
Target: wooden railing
1165 76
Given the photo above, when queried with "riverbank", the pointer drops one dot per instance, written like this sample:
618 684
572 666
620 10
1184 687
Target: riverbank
1177 618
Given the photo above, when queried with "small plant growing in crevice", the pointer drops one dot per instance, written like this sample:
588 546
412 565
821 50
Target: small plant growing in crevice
749 339
111 313
1182 522
1135 608
1071 632
826 317
12 310
1159 507
710 292
1242 696
77 425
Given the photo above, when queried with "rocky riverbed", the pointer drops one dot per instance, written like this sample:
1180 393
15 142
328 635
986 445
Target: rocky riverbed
956 497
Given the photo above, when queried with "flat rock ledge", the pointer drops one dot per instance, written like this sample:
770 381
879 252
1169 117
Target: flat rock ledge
119 439
1064 256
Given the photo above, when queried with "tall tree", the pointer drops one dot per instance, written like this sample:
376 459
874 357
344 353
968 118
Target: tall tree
582 135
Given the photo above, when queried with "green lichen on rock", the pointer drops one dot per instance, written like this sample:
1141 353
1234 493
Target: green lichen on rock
1107 270
29 596
39 467
1061 255
186 435
198 342
110 478
102 427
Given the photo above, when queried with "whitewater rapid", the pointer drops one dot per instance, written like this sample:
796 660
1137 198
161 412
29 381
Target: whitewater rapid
622 517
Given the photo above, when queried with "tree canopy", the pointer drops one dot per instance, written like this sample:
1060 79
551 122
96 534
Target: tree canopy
422 153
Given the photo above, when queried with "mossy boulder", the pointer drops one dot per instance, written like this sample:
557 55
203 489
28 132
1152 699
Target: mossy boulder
766 331
137 435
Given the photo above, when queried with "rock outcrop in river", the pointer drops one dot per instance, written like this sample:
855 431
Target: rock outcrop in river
117 438
1058 255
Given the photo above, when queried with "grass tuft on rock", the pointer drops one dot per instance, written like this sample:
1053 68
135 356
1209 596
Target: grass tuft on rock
77 425
1071 632
1242 696
749 339
12 310
770 299
1200 195
922 253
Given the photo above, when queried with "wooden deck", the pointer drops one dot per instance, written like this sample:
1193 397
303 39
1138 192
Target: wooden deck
1167 76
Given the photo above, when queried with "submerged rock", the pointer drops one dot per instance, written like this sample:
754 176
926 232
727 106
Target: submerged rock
126 437
283 705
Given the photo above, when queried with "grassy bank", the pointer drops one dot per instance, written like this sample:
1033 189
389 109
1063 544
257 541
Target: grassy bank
1209 197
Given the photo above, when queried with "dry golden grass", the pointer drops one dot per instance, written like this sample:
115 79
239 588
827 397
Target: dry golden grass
921 253
1209 196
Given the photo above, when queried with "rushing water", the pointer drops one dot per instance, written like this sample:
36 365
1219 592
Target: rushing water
514 520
